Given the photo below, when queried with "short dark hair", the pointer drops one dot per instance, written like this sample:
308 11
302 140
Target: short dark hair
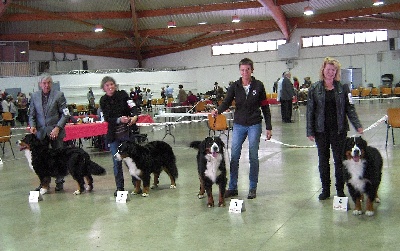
105 80
247 61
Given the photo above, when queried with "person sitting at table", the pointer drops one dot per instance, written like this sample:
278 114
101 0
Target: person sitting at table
121 114
191 99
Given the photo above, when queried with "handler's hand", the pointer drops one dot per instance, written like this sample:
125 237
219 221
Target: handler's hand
269 134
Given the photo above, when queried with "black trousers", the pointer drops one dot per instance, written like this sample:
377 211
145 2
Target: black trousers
325 141
286 110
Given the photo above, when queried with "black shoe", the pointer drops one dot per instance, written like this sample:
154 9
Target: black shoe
116 191
324 195
252 194
59 186
231 193
341 193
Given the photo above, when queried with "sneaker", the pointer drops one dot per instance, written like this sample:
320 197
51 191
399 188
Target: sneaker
116 191
231 193
252 194
324 195
59 186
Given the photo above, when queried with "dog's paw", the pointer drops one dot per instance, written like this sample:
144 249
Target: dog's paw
357 212
210 205
43 191
201 196
89 188
153 186
77 192
221 204
172 187
145 195
377 200
369 213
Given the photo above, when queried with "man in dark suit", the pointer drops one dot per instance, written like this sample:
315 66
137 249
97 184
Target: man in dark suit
48 114
286 98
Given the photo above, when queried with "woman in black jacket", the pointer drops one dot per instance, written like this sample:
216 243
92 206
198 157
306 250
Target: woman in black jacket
117 110
249 95
328 107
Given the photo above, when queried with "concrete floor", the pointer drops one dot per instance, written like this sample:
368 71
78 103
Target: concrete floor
286 215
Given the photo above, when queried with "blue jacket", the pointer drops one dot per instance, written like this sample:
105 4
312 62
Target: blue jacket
316 108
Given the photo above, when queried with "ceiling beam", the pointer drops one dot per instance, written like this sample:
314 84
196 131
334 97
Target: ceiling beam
278 15
3 6
136 33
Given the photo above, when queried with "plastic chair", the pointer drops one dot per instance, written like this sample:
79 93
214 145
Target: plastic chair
393 121
7 118
218 124
200 106
5 136
396 91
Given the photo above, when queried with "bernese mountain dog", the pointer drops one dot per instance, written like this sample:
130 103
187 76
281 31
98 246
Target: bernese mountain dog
362 173
144 160
211 168
47 163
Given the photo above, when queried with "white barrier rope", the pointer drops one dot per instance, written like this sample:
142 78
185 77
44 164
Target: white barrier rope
162 125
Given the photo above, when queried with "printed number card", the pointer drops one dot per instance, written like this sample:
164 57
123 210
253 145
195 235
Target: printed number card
122 197
236 206
340 203
35 196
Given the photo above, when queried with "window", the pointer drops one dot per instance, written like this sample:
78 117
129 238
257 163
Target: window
238 48
346 38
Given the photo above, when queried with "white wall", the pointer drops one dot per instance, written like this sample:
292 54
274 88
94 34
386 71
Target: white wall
202 69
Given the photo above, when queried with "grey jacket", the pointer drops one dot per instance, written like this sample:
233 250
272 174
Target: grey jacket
316 108
56 115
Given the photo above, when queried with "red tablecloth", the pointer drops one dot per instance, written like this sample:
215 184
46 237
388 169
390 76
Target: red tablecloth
95 129
85 130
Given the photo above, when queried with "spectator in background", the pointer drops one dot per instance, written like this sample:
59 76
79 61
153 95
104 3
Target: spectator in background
22 105
169 91
287 95
182 95
163 95
296 83
307 83
191 99
9 106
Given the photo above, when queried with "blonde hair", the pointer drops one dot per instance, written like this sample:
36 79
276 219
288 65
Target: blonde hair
331 61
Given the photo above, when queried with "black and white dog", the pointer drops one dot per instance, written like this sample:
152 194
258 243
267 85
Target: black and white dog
362 173
211 168
144 160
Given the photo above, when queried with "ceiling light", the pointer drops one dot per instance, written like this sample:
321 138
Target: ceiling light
202 23
235 19
308 11
378 2
98 28
171 24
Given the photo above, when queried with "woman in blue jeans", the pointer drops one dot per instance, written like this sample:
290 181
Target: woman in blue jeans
250 97
116 111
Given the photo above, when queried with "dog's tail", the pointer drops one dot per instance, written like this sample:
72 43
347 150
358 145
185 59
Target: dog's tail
96 169
195 144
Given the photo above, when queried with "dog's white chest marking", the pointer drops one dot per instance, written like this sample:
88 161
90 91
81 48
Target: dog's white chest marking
28 156
212 171
356 170
133 170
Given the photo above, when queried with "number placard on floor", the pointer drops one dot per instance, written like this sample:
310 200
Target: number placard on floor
236 206
340 203
35 196
122 197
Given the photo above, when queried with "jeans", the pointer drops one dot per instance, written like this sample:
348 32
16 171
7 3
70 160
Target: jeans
239 135
324 141
117 165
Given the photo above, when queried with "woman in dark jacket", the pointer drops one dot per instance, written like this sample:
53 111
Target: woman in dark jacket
328 107
250 97
117 110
